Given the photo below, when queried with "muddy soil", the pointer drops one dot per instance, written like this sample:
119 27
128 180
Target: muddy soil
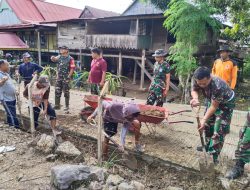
27 169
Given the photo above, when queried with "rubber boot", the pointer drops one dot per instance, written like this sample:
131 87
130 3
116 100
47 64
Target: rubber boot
237 170
66 109
57 103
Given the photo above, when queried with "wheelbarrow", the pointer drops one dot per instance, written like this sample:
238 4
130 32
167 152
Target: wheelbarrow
147 112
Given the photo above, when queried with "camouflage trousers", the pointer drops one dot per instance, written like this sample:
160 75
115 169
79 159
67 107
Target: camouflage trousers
217 127
95 89
243 150
62 85
155 96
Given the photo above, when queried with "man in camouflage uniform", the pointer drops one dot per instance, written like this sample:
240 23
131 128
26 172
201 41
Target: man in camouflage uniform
219 110
160 85
242 153
66 67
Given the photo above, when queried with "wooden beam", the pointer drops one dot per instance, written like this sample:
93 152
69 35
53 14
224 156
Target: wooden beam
142 68
110 55
100 122
135 72
137 27
120 64
39 47
30 102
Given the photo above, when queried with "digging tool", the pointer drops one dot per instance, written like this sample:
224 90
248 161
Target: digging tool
197 112
19 103
47 125
129 159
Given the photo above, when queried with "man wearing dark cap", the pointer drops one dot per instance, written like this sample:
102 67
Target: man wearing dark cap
27 69
225 68
65 67
40 97
98 71
159 87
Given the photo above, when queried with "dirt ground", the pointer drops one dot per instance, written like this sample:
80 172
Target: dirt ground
27 169
172 142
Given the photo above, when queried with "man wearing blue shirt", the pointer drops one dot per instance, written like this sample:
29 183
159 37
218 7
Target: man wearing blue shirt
27 69
8 94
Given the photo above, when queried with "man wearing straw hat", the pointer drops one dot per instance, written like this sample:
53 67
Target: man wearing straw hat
225 68
40 95
160 85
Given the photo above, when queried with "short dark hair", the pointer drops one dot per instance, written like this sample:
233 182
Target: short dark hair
1 62
201 73
98 51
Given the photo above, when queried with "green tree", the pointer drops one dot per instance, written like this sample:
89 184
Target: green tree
237 11
189 24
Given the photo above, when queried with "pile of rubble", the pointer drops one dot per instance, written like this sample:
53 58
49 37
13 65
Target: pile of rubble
80 176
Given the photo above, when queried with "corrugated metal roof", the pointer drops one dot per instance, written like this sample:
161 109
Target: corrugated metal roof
25 10
138 7
10 40
91 12
35 11
54 12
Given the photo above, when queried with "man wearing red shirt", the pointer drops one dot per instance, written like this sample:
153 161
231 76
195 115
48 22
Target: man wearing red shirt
97 72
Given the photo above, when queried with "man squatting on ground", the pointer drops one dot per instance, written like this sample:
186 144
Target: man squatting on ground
65 67
221 102
242 153
97 72
27 69
8 94
115 112
40 97
159 87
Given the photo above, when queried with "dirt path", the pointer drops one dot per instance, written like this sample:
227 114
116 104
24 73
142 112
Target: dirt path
27 169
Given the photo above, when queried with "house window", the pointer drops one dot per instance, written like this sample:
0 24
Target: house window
132 27
32 40
43 39
142 27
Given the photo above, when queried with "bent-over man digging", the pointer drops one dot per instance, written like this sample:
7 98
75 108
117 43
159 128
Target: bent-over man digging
219 109
40 97
115 112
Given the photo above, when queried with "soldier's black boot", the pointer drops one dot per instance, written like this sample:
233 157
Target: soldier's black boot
66 109
57 103
237 171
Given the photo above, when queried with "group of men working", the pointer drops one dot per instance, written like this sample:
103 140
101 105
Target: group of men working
216 88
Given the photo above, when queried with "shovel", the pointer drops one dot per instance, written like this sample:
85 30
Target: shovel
47 125
206 168
129 160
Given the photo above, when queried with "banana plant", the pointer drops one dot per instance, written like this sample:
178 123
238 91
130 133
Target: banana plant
115 82
51 72
79 78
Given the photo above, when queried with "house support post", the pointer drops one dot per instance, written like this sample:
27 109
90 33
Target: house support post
39 47
142 69
120 64
135 72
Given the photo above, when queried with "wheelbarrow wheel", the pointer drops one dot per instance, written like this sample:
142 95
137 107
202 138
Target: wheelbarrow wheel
86 112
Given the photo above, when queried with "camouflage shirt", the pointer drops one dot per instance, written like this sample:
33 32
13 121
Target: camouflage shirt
64 66
217 90
160 71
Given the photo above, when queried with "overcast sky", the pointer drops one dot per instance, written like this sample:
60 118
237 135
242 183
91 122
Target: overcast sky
111 5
